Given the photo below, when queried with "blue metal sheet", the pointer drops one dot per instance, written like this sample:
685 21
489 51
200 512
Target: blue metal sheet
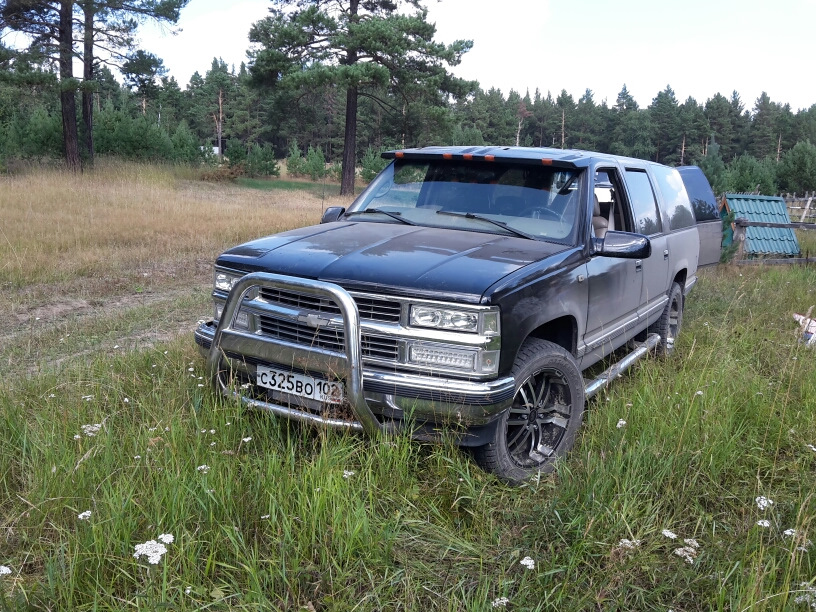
765 209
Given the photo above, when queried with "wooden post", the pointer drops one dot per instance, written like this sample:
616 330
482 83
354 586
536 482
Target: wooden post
739 238
807 208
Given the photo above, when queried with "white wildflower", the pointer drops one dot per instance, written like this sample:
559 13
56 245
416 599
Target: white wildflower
151 549
247 439
188 590
764 523
621 424
203 431
789 533
763 502
348 473
212 444
137 456
200 385
77 437
166 538
264 516
212 431
669 534
687 553
630 544
528 562
166 429
84 516
699 393
203 468
4 570
151 429
91 430
229 422
126 400
191 369
691 542
501 602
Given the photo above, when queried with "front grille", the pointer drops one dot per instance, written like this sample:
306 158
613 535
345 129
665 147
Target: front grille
298 333
373 309
326 338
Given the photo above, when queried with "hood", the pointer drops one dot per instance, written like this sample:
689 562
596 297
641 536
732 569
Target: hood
392 258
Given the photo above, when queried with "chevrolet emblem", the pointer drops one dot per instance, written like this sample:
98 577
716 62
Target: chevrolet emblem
313 320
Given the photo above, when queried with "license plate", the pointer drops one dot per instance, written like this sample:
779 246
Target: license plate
323 391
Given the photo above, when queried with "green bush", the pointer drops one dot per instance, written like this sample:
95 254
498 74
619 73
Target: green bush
186 148
336 171
373 164
235 152
315 166
295 164
261 161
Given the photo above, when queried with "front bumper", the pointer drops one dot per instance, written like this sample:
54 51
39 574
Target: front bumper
379 400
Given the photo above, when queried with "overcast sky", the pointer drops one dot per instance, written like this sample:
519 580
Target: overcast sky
699 47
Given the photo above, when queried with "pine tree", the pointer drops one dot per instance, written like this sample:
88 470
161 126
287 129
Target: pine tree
358 45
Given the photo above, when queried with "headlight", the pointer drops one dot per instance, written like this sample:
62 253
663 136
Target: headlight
486 322
224 281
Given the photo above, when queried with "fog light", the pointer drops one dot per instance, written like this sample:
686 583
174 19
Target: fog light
241 321
442 357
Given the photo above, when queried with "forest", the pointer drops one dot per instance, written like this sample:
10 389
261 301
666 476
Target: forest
292 101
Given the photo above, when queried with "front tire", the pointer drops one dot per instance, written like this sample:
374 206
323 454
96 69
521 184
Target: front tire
543 421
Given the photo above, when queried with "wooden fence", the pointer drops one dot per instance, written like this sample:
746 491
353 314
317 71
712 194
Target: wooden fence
740 226
801 208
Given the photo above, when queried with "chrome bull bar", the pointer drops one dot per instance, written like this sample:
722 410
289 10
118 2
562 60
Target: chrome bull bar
348 366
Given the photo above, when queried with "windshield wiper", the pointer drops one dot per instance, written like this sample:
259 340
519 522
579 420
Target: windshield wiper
393 215
500 224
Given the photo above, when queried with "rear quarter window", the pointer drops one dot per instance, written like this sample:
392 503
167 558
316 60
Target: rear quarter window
703 202
675 198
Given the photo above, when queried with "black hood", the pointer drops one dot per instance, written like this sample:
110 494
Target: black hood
392 258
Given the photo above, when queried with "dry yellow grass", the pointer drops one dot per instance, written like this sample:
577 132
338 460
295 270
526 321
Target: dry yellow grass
125 220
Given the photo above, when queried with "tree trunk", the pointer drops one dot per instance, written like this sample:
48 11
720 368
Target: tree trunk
349 143
350 137
67 90
88 76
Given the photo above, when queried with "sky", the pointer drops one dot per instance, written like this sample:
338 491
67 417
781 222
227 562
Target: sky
698 47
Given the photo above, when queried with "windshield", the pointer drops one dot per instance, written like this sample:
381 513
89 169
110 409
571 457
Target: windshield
537 202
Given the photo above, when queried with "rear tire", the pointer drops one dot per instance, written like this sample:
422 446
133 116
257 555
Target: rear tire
670 322
543 421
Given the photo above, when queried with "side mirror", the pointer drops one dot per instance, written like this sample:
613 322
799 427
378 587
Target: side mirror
332 213
623 245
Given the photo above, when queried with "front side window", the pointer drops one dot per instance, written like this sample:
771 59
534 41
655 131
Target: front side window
644 207
529 201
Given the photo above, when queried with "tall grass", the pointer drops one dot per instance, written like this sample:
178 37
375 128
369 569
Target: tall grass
288 518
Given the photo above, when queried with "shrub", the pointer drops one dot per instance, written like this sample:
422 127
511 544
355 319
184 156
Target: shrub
295 164
261 161
315 166
372 164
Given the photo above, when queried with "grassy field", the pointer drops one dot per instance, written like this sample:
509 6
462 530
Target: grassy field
104 410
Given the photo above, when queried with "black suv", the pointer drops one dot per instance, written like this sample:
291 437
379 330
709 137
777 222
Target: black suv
465 290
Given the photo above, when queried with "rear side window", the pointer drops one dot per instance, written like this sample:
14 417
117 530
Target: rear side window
644 207
699 191
675 197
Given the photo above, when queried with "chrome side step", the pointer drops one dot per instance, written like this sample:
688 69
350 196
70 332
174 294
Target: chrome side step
619 367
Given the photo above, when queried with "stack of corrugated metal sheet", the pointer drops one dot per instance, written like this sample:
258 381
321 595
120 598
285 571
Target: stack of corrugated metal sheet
767 209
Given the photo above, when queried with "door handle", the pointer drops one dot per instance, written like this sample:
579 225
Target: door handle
639 265
666 254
